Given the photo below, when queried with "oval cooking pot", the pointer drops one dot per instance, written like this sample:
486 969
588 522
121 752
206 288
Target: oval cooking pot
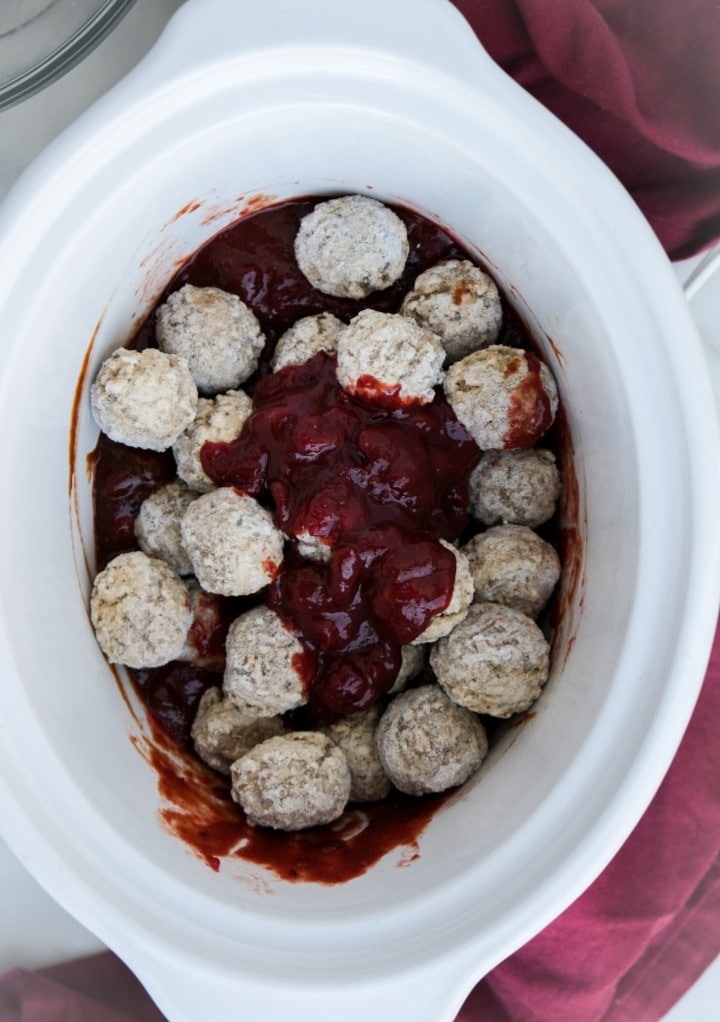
243 104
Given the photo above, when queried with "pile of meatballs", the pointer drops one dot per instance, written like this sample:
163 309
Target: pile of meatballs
485 654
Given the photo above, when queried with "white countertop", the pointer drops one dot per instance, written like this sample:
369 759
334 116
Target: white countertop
34 930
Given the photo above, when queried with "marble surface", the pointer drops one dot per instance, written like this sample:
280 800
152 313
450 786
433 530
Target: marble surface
34 930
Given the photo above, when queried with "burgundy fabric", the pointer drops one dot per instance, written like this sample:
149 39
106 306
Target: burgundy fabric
94 989
639 81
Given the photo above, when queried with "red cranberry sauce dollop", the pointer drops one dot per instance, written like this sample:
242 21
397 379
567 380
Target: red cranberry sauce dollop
380 486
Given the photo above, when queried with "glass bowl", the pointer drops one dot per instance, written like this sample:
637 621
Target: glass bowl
42 39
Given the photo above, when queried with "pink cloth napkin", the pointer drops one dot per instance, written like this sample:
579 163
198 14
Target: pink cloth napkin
639 80
95 989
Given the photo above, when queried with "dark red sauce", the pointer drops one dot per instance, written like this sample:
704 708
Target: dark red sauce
383 482
199 810
530 412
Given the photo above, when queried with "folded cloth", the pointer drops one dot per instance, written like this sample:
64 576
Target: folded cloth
639 81
94 989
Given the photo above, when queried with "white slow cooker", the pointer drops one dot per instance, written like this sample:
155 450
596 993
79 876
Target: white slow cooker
240 105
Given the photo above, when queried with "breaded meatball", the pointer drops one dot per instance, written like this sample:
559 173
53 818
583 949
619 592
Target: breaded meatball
352 246
143 398
512 565
411 665
157 526
389 359
355 736
462 596
312 547
495 662
515 487
215 331
264 663
234 547
460 303
426 743
223 731
505 397
220 420
305 339
292 782
140 610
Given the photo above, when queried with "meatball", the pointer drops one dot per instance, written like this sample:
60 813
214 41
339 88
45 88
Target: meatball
143 398
305 339
412 664
232 543
292 781
223 731
157 526
512 565
312 547
355 737
264 663
460 303
495 662
351 246
220 420
215 331
518 487
140 610
505 397
462 596
389 359
426 743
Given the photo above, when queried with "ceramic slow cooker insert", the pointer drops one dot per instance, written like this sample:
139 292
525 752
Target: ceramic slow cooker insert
234 109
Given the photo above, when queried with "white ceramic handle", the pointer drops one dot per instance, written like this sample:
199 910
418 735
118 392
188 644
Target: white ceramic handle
702 290
208 32
185 992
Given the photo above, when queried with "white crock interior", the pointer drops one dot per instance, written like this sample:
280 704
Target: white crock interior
93 236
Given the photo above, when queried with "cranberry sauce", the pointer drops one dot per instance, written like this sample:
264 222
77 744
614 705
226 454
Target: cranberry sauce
381 486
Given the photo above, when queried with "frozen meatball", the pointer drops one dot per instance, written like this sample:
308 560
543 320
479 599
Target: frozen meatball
215 331
232 542
512 565
518 487
462 597
355 736
389 359
426 743
223 731
495 662
220 420
292 782
263 664
140 611
157 526
412 664
312 547
505 397
143 398
460 303
352 246
304 339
